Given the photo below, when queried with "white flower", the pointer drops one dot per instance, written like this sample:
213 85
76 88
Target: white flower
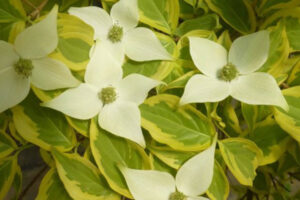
234 75
192 179
26 62
105 92
119 34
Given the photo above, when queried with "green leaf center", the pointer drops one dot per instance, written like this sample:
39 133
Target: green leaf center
228 72
107 95
177 196
24 67
115 33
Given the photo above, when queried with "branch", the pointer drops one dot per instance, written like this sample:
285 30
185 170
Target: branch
36 12
37 176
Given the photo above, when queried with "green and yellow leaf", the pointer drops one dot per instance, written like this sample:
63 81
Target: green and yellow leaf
12 19
52 188
268 5
242 157
291 20
183 128
81 126
170 156
207 22
238 14
7 144
290 121
8 168
160 14
75 41
271 139
111 151
219 187
278 52
81 178
42 126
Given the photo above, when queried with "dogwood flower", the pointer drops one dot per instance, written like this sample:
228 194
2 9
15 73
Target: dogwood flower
105 92
233 75
119 34
192 179
26 62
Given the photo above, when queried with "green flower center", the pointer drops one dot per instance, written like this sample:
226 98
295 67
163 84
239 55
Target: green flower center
24 67
115 33
177 196
107 95
228 72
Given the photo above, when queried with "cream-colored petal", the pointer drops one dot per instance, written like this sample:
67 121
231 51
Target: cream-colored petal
96 17
149 184
135 88
124 120
208 56
13 88
201 88
8 56
50 74
40 39
258 89
195 175
104 69
125 13
80 103
250 52
141 44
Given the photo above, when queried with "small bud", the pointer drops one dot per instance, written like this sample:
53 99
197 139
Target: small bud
177 196
228 72
115 34
107 95
24 67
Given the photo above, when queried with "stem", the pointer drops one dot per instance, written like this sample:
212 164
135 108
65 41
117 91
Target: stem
36 12
26 146
285 85
273 181
282 185
30 4
37 176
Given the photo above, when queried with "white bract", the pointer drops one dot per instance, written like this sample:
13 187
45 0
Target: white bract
118 32
192 179
26 62
105 92
232 74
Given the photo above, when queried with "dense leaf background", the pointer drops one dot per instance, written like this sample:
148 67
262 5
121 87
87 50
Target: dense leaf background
258 153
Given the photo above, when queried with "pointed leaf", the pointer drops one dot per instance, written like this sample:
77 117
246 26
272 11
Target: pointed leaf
242 157
75 42
239 14
169 156
8 168
219 187
182 128
81 178
121 152
12 19
51 187
7 144
290 121
42 126
271 139
160 14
